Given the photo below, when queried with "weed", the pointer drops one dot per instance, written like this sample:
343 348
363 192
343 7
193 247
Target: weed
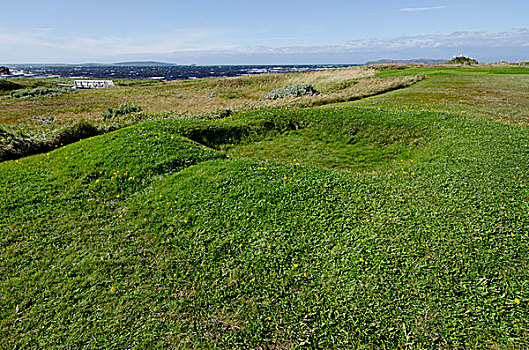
7 86
122 109
40 92
295 90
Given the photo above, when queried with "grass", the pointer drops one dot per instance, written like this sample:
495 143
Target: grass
336 138
368 226
192 97
492 92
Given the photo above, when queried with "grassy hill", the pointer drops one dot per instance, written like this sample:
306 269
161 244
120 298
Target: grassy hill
390 222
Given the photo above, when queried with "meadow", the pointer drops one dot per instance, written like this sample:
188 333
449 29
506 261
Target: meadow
192 97
394 221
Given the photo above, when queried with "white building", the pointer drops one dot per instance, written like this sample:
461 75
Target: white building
90 84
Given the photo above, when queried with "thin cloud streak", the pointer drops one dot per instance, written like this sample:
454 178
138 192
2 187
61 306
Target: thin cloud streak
431 41
420 9
482 45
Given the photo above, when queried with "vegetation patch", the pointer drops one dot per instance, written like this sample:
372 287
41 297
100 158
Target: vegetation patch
295 90
8 86
18 145
335 138
462 60
208 250
191 97
40 91
122 109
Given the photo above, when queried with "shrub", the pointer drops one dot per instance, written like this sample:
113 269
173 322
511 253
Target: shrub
295 90
41 91
6 85
13 146
18 145
462 60
218 114
122 109
74 133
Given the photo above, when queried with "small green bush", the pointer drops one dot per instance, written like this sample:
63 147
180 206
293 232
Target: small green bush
74 133
218 114
41 91
18 145
6 85
295 90
122 109
462 60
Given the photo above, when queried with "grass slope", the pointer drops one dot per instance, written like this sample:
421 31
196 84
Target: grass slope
146 238
493 92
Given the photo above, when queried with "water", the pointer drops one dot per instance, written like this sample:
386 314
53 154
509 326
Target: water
155 72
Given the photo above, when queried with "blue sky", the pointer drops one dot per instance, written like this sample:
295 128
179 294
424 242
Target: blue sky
260 32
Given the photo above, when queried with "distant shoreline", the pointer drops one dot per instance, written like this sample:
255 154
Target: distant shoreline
166 72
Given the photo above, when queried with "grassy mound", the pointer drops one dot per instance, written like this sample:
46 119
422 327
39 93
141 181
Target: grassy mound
18 145
154 236
7 86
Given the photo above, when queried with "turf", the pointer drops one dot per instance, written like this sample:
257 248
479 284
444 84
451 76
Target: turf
329 227
492 92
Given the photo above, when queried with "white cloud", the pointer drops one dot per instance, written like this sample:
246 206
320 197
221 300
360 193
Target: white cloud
482 45
201 46
448 40
430 41
44 45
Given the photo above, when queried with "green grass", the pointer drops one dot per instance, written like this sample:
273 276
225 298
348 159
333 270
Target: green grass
443 70
145 238
337 138
499 93
8 86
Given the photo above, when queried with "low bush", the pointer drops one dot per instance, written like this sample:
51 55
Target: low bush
6 85
18 145
295 90
76 132
122 109
462 60
41 91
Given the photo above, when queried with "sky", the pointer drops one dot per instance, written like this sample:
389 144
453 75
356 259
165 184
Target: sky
261 32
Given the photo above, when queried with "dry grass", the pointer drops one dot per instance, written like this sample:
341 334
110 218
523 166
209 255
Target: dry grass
192 97
355 91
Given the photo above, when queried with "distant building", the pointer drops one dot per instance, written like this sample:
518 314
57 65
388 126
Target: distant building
91 84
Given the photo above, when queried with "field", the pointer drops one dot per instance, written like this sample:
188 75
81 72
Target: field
201 96
393 221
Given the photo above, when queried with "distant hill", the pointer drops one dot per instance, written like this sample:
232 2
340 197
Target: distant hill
412 61
142 63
